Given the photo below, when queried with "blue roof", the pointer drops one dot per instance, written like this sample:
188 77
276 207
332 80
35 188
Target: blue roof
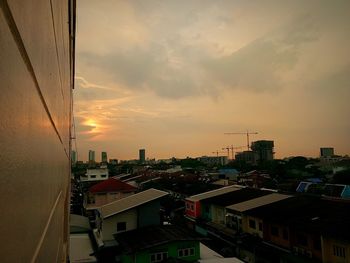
228 171
315 180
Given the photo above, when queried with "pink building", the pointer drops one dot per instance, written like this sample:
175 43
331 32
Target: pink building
108 191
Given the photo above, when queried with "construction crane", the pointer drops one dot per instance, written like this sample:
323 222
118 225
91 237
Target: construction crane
247 133
233 148
228 151
217 153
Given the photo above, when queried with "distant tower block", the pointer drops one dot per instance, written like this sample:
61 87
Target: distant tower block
326 152
142 155
264 150
91 156
104 157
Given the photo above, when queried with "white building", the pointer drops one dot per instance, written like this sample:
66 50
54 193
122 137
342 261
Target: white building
98 174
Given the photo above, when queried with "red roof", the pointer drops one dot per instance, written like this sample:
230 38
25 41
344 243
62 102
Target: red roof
111 185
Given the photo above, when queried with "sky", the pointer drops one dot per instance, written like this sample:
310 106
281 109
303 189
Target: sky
173 76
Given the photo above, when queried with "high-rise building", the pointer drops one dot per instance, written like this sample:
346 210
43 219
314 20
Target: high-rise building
326 152
91 156
37 78
263 150
249 157
104 157
142 155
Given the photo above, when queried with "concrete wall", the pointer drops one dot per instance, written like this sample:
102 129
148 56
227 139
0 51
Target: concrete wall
109 224
172 249
252 231
35 105
105 198
328 250
148 214
218 214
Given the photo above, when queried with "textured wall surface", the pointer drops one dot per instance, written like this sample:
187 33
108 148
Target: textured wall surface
35 105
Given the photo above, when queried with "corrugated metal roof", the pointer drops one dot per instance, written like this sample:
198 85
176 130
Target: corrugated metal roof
215 192
131 202
256 202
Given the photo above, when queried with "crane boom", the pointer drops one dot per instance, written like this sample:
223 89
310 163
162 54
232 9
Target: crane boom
246 133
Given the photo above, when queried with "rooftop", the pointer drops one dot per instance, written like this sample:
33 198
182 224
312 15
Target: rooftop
256 202
131 202
236 197
309 213
148 237
215 192
112 185
79 224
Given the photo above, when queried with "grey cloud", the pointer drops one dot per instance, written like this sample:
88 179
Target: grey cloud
144 69
86 91
259 65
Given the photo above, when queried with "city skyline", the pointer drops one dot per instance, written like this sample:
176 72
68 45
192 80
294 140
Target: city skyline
173 77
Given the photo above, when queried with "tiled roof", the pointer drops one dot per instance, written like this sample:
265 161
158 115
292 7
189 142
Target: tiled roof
112 185
131 202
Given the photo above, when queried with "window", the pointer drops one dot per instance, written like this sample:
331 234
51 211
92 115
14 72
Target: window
260 226
92 176
302 239
159 256
185 252
339 251
103 175
121 226
192 207
252 224
274 231
285 234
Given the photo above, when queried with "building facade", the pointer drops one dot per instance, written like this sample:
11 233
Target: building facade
142 155
326 152
37 76
104 157
263 150
91 156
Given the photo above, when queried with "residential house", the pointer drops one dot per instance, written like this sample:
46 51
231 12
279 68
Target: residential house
129 213
254 179
108 191
215 207
236 219
97 174
193 203
158 244
308 226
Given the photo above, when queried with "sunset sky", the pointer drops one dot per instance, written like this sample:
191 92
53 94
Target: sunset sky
173 76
